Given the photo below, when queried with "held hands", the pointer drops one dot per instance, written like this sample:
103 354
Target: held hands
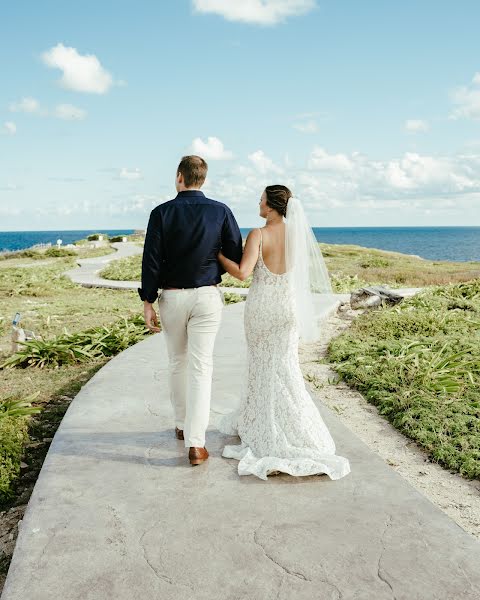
151 320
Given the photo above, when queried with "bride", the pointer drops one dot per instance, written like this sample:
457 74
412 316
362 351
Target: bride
279 426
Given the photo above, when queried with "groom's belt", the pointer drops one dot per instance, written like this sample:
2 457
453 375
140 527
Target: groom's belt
190 288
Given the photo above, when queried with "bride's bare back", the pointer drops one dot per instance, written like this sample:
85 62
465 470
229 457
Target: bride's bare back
273 247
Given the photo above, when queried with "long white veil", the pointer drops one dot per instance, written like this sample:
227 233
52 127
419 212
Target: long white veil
309 274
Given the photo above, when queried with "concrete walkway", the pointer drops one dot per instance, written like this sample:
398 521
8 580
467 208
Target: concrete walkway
86 274
118 512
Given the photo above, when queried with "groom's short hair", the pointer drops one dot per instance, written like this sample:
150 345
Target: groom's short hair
194 170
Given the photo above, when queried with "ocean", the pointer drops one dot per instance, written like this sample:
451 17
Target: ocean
434 243
18 240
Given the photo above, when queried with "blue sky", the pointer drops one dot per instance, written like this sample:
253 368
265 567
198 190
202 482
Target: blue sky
369 111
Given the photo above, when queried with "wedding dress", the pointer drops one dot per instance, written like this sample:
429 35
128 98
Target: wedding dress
279 426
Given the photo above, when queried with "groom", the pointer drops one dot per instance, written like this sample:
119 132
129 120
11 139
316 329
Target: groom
183 239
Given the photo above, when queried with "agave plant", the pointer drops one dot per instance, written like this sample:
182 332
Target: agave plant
440 370
70 348
14 407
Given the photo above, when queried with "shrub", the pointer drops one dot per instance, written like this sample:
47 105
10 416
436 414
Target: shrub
375 261
231 298
13 436
229 281
14 415
27 253
54 251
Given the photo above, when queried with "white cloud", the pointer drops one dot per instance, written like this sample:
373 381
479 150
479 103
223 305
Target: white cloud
61 111
416 125
334 184
260 12
81 73
26 105
321 160
130 174
410 174
9 128
69 112
467 100
263 163
306 126
212 149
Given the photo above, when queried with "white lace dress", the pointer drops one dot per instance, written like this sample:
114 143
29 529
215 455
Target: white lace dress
279 426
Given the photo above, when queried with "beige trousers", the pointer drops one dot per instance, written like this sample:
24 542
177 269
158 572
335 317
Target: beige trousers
190 320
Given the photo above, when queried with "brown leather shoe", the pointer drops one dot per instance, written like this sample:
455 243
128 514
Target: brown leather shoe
197 455
178 433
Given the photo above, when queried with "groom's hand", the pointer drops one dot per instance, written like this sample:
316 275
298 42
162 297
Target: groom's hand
151 320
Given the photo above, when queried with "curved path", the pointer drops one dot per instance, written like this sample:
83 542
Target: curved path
86 274
118 513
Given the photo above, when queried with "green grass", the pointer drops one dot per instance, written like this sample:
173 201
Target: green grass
41 280
82 250
419 363
124 269
350 267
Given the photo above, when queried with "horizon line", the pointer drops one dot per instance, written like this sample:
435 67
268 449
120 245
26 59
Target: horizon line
99 230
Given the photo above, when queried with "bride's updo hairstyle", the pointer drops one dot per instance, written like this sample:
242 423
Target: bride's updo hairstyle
277 198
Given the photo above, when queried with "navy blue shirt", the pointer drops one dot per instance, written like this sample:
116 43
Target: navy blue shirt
183 239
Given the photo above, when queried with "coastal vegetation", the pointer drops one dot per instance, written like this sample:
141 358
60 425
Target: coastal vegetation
419 363
350 267
81 250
